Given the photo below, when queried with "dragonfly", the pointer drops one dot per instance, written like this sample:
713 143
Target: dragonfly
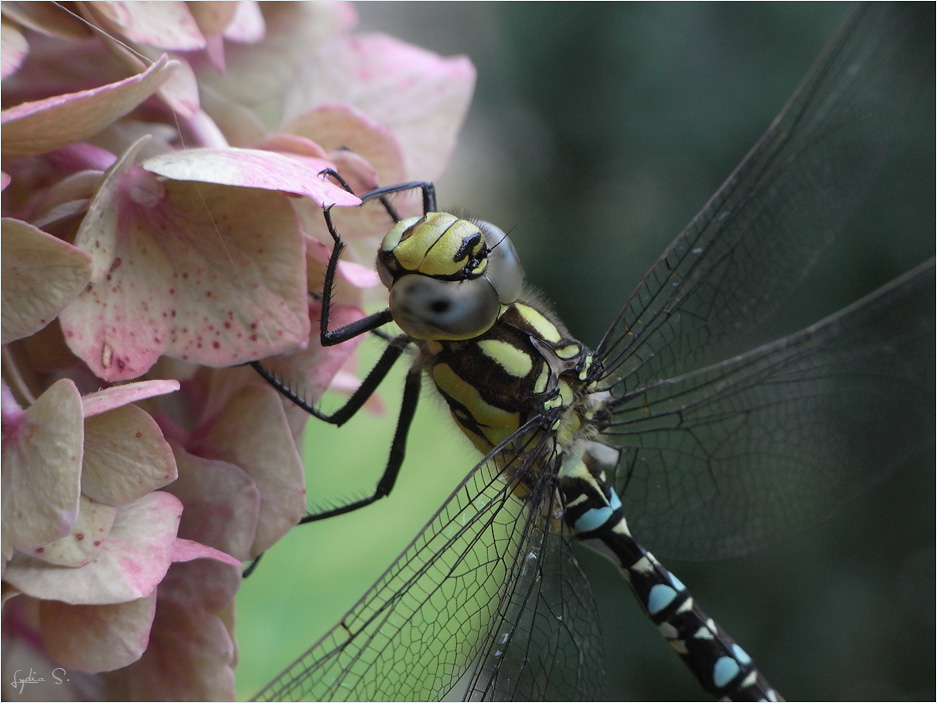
649 356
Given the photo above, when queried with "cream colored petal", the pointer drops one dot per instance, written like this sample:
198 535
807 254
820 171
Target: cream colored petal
40 276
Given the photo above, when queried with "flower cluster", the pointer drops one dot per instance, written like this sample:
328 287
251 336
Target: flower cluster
162 223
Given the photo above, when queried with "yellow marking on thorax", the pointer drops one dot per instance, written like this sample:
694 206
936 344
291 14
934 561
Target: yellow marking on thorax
514 361
540 384
570 351
546 329
484 413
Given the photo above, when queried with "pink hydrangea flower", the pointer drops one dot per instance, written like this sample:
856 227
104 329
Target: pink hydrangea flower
162 221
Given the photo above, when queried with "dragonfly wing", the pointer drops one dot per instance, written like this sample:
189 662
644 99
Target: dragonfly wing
716 461
762 231
548 644
430 621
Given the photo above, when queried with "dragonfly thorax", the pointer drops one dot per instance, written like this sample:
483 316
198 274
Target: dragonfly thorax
525 366
448 278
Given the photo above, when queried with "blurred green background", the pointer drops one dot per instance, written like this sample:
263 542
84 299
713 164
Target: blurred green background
596 133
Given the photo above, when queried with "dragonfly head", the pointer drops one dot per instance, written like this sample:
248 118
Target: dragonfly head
448 278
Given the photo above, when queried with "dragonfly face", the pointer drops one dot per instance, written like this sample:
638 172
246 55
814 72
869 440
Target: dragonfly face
611 588
448 278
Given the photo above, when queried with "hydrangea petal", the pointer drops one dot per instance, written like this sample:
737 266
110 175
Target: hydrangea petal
252 432
247 26
357 171
132 561
366 154
240 126
184 550
42 448
23 650
40 276
222 503
166 25
46 18
313 369
258 75
43 125
337 126
13 48
126 456
421 96
116 396
253 168
86 538
292 144
94 638
213 17
121 188
356 275
191 654
206 273
180 91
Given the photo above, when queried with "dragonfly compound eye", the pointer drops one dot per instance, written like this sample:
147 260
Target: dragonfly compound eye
449 278
504 266
430 308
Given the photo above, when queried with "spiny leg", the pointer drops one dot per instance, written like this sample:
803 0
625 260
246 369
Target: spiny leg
370 383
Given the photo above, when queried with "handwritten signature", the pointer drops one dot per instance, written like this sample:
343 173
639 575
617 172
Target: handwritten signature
19 681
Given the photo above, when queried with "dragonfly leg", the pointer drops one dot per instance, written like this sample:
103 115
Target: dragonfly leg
411 396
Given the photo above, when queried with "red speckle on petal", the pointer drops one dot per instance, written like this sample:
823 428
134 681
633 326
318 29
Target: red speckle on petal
39 550
79 536
216 345
138 435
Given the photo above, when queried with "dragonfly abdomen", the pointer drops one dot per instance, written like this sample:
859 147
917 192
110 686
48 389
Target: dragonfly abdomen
593 511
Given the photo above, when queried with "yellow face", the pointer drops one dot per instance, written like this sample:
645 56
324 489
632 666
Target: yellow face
448 278
438 244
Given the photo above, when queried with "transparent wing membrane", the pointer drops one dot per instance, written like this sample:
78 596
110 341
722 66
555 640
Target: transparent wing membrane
755 240
716 462
547 641
476 588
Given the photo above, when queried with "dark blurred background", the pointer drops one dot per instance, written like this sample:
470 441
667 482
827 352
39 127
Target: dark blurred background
597 131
